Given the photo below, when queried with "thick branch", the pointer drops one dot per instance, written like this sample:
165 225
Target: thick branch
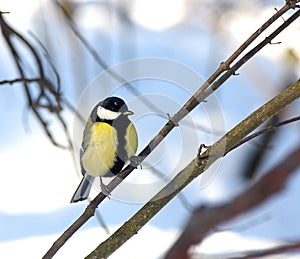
194 169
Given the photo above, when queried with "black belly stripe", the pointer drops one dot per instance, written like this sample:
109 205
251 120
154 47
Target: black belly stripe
120 124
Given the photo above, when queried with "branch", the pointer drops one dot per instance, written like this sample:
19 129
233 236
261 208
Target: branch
232 70
256 156
224 66
47 97
203 220
194 169
21 80
199 96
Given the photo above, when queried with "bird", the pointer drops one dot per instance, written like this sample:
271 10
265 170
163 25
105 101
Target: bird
109 141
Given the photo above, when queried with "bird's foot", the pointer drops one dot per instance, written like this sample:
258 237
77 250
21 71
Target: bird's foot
104 189
135 161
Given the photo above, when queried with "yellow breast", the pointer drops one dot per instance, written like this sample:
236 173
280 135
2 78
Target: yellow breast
100 153
131 140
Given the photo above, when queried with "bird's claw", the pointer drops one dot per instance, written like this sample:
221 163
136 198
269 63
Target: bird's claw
136 161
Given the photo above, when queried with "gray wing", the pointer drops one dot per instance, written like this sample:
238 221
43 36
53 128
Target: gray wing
84 188
85 141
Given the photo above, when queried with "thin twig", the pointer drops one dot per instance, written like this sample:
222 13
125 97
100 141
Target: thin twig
48 59
102 63
263 131
21 80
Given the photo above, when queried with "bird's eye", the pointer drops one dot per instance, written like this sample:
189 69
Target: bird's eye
115 103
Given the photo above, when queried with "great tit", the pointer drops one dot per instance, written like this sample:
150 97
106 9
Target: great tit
109 140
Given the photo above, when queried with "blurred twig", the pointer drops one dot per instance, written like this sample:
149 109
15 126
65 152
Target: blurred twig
204 220
114 75
102 222
48 97
48 59
256 157
86 44
280 249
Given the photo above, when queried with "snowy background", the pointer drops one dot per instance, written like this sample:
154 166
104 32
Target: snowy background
38 179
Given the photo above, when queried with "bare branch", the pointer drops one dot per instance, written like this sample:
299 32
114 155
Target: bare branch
225 65
48 97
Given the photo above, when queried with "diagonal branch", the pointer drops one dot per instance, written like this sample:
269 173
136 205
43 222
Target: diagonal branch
169 192
224 66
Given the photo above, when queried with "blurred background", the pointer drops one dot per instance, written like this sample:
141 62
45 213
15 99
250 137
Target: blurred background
166 49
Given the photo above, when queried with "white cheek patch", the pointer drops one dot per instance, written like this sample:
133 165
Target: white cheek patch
107 114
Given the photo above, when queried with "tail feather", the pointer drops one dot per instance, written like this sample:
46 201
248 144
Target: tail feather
83 190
